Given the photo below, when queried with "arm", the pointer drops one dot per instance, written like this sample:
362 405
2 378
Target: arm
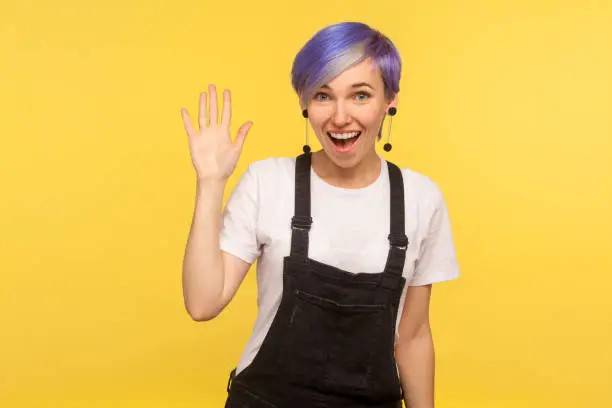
211 277
415 350
415 347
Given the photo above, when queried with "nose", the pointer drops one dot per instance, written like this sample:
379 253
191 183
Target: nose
340 115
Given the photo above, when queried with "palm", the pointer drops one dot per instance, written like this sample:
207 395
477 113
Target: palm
213 153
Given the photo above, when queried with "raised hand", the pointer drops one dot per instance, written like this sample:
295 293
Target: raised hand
213 153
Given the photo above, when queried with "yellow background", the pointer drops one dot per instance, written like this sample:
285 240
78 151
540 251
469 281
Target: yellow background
506 104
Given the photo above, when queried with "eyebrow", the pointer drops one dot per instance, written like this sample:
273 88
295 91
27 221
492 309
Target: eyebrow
357 85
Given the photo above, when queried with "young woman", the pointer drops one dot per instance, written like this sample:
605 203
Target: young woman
347 244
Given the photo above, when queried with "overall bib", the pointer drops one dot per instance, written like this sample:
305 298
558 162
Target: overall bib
331 343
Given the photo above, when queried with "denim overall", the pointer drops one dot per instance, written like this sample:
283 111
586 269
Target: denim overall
331 343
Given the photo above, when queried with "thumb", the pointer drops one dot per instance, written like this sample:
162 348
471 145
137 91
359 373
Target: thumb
242 134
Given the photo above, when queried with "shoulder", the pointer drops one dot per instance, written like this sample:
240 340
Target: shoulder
269 174
422 188
272 166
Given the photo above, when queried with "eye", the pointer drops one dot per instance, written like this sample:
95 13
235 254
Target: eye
320 96
362 96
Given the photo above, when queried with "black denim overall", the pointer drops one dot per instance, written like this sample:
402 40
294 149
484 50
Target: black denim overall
331 343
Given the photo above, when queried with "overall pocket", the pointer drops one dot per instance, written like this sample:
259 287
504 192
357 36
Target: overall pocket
334 346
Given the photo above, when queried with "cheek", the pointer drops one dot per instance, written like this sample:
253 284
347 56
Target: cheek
317 117
317 124
370 119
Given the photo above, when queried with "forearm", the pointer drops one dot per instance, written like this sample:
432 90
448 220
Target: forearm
202 264
416 361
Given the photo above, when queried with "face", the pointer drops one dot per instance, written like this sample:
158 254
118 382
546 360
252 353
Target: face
346 114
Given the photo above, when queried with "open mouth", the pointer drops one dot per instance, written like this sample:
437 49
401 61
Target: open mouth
344 141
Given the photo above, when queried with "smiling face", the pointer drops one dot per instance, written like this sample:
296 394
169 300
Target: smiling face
346 114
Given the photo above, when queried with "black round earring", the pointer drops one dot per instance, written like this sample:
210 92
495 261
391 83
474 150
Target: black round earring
306 147
392 111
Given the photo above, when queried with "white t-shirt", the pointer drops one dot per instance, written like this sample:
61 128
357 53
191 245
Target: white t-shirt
349 231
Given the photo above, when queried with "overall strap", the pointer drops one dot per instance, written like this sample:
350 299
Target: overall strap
397 238
301 221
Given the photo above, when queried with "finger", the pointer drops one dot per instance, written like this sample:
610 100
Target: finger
187 122
242 134
226 115
202 112
214 112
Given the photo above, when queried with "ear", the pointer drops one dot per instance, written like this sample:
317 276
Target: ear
392 103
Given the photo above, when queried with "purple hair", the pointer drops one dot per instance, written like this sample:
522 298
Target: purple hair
339 46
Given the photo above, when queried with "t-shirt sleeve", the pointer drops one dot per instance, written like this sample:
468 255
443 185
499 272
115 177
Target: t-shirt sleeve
438 258
238 235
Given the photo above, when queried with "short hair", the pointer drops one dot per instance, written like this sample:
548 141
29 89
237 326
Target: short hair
336 48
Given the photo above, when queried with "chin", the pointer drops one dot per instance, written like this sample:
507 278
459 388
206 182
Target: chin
343 160
346 163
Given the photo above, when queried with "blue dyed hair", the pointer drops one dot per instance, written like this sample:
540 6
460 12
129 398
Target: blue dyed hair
339 46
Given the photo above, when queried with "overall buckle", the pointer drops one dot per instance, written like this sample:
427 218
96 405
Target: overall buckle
301 223
398 240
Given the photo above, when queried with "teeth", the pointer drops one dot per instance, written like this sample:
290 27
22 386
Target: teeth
343 136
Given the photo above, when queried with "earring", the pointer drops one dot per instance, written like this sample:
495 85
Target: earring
306 147
392 112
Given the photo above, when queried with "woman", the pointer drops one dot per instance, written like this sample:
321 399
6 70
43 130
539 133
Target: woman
347 244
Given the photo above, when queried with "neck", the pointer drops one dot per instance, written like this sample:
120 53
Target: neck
361 175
